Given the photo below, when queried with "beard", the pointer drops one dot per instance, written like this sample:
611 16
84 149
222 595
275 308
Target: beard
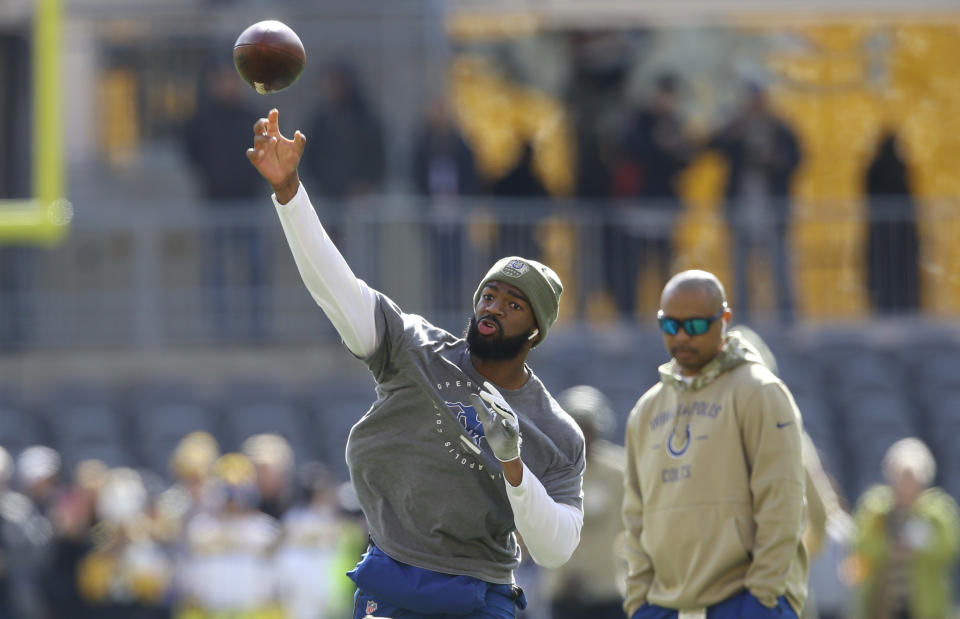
496 348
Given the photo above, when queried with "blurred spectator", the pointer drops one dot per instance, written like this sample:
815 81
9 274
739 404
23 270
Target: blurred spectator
594 157
308 559
25 537
127 574
591 583
443 170
763 154
272 459
530 578
227 569
346 155
516 235
830 594
828 532
234 249
443 163
74 519
600 62
654 151
521 181
907 540
892 269
355 536
191 464
828 536
38 476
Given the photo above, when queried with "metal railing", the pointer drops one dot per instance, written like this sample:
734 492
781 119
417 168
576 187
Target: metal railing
147 276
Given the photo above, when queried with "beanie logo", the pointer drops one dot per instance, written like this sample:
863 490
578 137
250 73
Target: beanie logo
516 268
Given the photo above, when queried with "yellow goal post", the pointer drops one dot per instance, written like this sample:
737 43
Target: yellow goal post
44 218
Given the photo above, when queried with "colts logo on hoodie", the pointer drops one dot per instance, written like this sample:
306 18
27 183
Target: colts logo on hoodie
672 449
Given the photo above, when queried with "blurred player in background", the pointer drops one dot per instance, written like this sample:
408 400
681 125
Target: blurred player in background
907 540
655 151
591 582
25 538
763 154
829 527
714 493
437 467
235 252
272 457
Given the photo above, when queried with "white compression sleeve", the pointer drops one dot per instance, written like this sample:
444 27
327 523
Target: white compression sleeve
550 530
347 301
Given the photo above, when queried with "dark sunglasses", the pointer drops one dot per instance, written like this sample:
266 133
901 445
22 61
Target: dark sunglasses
693 326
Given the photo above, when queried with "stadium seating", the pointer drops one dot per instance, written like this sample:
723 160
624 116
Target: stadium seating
18 429
857 393
158 428
90 431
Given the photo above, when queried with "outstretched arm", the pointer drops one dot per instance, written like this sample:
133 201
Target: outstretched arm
347 301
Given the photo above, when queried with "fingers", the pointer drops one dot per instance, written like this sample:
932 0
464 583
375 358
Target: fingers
299 142
482 409
273 121
478 404
493 396
491 388
269 125
499 408
260 145
492 400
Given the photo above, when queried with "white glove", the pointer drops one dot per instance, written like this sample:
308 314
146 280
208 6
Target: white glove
500 424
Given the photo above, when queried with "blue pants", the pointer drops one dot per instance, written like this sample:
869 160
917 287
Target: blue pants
740 606
499 605
389 588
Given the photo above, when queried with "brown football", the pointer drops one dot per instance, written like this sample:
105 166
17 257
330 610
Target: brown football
269 56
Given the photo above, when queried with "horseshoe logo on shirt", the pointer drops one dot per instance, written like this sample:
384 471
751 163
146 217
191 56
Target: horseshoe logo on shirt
676 453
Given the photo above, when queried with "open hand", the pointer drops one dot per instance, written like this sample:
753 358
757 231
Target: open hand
277 157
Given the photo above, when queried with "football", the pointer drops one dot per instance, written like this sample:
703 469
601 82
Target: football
269 56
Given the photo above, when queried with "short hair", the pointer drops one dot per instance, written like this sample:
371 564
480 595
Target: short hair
910 455
696 279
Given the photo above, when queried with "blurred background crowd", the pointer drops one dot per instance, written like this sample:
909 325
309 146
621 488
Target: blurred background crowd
174 406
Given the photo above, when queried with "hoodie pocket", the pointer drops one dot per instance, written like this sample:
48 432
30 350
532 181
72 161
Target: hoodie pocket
692 547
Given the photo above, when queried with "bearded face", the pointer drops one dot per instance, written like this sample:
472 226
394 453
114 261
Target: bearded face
496 346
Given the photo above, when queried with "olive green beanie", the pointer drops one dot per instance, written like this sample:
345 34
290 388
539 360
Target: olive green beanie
537 281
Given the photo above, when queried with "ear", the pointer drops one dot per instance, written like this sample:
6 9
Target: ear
533 334
727 315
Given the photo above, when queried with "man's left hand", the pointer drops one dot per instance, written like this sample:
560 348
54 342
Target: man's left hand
500 424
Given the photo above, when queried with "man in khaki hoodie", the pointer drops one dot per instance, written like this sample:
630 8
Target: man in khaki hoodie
714 489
